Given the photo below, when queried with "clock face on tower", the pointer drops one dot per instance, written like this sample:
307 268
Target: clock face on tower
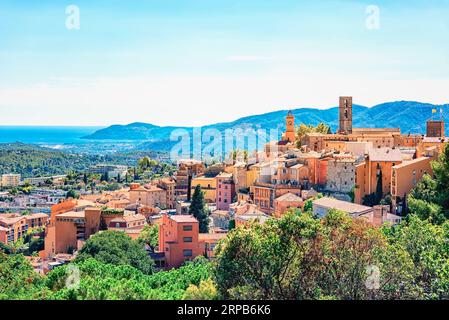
290 123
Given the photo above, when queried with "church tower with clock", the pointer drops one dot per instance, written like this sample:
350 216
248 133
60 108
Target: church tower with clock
290 134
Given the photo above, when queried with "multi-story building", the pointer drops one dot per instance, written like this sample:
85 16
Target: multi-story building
70 224
10 180
208 186
179 239
286 202
130 224
36 181
377 165
225 190
404 178
113 171
14 226
150 195
340 175
187 170
264 195
168 185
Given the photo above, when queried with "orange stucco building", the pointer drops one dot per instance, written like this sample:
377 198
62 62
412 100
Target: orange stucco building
404 178
14 226
179 239
70 224
379 162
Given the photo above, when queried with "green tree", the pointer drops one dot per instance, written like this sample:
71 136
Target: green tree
116 248
101 281
18 280
205 291
299 257
72 194
304 129
428 246
198 209
150 236
379 190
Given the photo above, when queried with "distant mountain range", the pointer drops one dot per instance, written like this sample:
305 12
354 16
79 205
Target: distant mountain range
409 116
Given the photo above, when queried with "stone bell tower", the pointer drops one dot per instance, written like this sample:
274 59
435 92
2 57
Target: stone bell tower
345 115
290 135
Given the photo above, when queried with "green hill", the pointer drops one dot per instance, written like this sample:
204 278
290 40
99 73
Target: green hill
409 116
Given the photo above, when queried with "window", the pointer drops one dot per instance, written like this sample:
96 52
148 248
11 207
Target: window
117 225
188 253
187 239
188 227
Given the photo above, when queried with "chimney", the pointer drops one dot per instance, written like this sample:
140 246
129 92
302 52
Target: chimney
380 215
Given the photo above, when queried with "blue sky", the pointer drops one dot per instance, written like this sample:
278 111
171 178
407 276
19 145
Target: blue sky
193 62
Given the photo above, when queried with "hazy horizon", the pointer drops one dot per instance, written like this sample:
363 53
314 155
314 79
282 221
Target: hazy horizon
204 124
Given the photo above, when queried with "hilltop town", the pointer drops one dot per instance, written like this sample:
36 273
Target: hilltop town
352 168
365 173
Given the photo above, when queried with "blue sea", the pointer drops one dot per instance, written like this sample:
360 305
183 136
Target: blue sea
45 135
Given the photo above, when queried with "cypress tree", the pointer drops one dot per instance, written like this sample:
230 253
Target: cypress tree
379 191
198 209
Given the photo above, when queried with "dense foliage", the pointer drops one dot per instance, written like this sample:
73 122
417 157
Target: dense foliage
427 245
18 280
115 247
34 161
94 280
100 281
299 257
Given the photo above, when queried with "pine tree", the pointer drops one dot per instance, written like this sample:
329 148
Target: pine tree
198 209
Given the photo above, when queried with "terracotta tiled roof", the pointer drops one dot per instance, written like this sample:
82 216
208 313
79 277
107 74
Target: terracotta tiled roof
289 197
385 154
349 207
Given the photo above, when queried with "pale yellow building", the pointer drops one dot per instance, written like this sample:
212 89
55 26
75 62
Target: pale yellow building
208 186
